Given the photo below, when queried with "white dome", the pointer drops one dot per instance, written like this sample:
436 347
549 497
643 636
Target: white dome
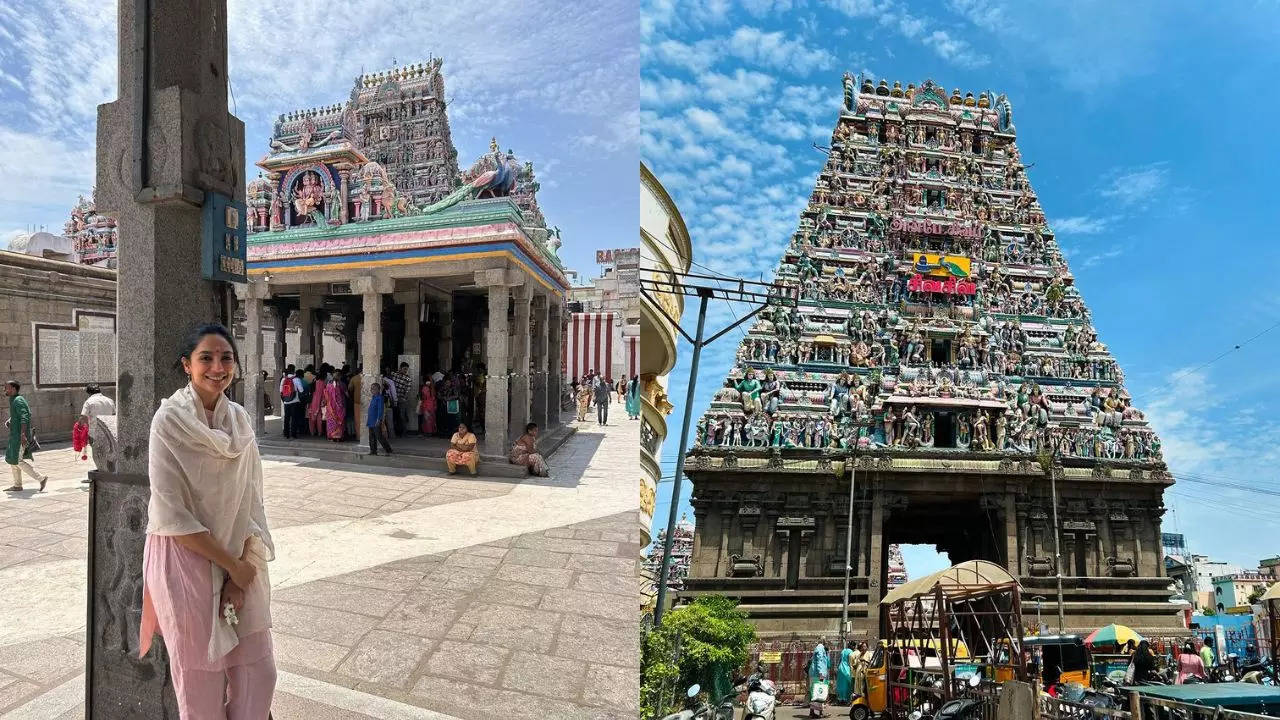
41 244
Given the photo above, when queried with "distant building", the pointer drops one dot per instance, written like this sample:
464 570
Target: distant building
1270 567
44 245
1230 591
604 324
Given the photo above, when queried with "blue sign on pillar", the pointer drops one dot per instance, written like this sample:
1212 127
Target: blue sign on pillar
224 248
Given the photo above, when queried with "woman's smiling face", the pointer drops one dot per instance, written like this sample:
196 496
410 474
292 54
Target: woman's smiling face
212 365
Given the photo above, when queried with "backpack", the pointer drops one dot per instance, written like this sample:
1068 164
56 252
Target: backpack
286 389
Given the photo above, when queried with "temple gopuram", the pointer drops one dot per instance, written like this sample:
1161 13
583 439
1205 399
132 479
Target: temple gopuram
93 236
941 357
361 224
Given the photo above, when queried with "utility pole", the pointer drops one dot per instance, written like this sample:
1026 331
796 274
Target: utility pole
848 555
747 291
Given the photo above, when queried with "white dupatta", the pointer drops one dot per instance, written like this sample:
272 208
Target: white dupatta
210 478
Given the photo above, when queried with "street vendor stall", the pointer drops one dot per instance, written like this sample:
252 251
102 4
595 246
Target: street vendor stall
975 605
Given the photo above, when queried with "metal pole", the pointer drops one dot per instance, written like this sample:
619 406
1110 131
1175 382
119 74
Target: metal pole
848 556
703 296
1057 552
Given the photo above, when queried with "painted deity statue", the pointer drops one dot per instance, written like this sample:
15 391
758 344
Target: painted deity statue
308 197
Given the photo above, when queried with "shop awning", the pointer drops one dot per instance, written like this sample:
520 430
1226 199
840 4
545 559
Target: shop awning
958 582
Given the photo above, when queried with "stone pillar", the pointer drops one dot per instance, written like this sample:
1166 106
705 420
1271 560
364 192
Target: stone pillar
1013 563
351 337
172 94
411 352
445 356
282 341
251 295
864 541
318 320
496 410
521 333
371 289
343 195
875 585
538 379
555 341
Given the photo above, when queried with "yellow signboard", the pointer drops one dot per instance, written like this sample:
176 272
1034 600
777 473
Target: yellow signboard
771 657
940 265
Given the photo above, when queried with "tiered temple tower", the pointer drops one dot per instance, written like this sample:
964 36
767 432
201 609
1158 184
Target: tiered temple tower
402 125
941 356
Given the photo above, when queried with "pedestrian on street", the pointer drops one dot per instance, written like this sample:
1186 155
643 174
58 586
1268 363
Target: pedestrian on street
391 396
633 398
377 420
844 676
333 408
1189 663
208 542
18 452
291 400
584 401
1206 652
315 418
604 389
427 407
462 450
404 394
96 404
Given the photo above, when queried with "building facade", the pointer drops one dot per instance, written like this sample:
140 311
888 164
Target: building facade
665 249
942 359
58 336
604 327
1232 591
470 282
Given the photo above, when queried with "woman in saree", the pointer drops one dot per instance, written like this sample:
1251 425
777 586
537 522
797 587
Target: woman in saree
315 422
844 676
525 452
584 401
633 398
334 409
427 407
205 583
462 450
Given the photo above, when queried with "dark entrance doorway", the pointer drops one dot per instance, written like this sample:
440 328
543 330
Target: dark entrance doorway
940 352
958 527
944 430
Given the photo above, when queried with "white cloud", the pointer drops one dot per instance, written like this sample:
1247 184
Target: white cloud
696 57
1080 225
954 50
657 90
1099 257
777 51
742 85
1136 187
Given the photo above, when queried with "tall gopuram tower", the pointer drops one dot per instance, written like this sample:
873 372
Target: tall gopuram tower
401 124
941 356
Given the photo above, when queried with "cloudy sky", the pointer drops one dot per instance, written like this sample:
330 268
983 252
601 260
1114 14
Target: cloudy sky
1151 129
555 82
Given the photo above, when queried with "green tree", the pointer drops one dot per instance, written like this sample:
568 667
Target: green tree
703 642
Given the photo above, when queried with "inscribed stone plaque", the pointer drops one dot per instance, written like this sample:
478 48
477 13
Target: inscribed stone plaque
76 354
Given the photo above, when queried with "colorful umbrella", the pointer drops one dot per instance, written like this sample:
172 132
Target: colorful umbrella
1112 635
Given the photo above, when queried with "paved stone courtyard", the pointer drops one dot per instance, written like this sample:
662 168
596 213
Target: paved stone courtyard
396 595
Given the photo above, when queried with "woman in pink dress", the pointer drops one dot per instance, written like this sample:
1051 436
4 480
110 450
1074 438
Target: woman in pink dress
427 407
205 583
1189 663
334 408
314 420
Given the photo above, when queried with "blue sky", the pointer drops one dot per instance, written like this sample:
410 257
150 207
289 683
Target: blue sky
556 83
1151 130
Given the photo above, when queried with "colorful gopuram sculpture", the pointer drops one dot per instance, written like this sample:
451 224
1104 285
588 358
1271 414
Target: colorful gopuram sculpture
935 307
93 236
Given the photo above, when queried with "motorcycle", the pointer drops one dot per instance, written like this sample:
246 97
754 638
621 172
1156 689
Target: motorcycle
722 709
761 698
1262 672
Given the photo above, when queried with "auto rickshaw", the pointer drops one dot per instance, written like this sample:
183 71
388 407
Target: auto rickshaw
1063 659
876 699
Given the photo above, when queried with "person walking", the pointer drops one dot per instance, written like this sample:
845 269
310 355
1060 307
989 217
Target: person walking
376 420
584 401
844 676
427 407
333 408
817 680
208 542
604 389
18 452
633 398
291 400
1206 652
404 395
96 404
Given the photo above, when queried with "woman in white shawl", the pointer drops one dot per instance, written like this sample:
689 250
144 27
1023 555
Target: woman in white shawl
208 543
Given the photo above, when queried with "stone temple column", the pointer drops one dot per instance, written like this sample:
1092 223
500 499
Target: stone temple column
307 305
445 355
251 295
538 379
282 340
496 360
555 340
372 289
412 352
351 336
875 585
518 413
176 96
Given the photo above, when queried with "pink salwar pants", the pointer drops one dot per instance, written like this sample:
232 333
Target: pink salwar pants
241 692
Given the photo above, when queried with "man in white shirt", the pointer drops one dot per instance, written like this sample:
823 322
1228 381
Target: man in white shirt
96 404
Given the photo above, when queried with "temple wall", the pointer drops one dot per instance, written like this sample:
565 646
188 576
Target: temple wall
35 290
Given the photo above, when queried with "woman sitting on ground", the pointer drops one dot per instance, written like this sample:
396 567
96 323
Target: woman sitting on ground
525 452
462 450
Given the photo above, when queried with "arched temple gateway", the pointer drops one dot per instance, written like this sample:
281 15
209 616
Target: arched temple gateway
941 350
362 223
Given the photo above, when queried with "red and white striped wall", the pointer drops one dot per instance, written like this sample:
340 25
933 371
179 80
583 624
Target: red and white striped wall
632 359
588 344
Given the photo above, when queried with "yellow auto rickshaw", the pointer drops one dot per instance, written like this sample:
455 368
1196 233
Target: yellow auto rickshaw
876 699
1063 659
